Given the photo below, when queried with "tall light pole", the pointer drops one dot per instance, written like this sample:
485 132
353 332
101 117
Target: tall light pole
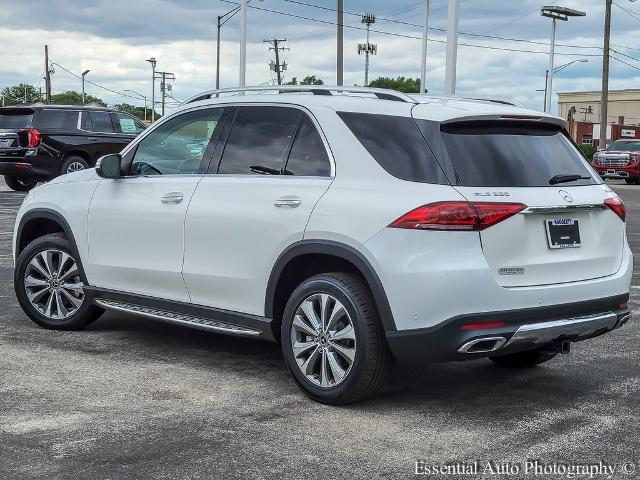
153 62
452 47
425 30
340 44
84 74
556 70
141 96
555 13
243 43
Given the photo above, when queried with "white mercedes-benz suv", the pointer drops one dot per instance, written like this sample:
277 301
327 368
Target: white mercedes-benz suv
352 226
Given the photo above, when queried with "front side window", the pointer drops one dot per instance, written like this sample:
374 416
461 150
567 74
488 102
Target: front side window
308 155
129 124
102 122
177 146
260 140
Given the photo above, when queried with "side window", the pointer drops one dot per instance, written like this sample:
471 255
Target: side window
308 156
86 123
260 140
128 124
102 122
178 145
57 120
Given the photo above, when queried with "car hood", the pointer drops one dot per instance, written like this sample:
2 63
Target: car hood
79 176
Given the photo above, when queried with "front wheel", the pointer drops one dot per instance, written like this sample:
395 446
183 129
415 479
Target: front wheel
49 285
527 359
20 184
332 339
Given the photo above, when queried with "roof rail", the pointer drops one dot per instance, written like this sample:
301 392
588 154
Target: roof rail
381 93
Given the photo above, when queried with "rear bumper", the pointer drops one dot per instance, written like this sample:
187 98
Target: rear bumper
16 168
528 329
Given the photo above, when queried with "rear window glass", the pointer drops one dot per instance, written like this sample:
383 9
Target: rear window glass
501 154
15 119
56 119
397 145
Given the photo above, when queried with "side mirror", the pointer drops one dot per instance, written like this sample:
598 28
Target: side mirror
109 166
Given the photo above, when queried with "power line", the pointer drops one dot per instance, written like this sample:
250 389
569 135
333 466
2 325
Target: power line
401 35
92 83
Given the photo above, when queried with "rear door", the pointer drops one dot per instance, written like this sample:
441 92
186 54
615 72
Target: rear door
104 136
253 204
566 233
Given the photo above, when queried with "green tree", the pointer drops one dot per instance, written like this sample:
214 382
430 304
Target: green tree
308 80
133 110
71 97
19 94
401 84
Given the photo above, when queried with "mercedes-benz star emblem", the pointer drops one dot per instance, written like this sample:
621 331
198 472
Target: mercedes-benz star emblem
566 196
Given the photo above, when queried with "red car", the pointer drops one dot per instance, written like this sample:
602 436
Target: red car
621 159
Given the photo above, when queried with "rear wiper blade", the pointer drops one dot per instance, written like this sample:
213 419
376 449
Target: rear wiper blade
564 178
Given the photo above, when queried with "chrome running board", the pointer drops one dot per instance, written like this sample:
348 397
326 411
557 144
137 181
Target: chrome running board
178 318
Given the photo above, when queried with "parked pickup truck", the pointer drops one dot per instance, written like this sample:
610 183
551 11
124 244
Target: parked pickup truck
42 142
621 159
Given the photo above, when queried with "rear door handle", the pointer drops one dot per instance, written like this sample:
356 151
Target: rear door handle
288 202
173 197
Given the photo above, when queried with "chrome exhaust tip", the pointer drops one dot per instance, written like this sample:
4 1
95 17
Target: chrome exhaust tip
623 319
483 345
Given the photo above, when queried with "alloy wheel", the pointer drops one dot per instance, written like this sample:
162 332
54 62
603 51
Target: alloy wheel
323 340
53 285
75 166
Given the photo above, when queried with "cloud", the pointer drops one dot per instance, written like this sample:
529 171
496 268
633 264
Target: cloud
113 38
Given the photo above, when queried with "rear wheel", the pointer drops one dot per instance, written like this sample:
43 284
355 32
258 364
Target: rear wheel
527 359
49 285
332 339
73 164
20 184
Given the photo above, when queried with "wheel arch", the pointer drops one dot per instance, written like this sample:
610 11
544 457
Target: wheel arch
42 221
342 255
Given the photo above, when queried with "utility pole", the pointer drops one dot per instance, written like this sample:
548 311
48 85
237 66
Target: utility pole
153 62
243 43
452 47
164 76
367 48
340 52
425 30
605 76
84 74
277 67
47 74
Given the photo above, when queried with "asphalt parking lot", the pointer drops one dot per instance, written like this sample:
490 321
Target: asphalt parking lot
131 398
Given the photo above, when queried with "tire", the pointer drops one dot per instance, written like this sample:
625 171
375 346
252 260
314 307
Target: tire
344 382
527 359
630 181
20 184
55 253
73 164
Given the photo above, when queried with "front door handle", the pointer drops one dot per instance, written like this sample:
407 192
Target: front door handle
288 202
173 197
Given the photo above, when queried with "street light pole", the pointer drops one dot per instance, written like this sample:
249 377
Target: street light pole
556 70
243 43
555 13
153 62
425 29
452 47
84 74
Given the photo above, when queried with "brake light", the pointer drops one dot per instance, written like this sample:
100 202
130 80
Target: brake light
34 137
457 215
617 206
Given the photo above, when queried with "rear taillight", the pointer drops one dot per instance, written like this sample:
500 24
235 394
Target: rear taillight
457 215
34 137
617 206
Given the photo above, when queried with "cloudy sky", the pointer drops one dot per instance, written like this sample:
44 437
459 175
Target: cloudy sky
114 37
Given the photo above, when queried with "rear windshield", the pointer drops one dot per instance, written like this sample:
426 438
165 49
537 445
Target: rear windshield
15 118
397 145
56 119
625 146
504 154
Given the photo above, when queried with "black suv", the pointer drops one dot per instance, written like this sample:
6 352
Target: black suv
41 142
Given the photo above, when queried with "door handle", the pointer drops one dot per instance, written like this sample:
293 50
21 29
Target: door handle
287 203
92 139
173 197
